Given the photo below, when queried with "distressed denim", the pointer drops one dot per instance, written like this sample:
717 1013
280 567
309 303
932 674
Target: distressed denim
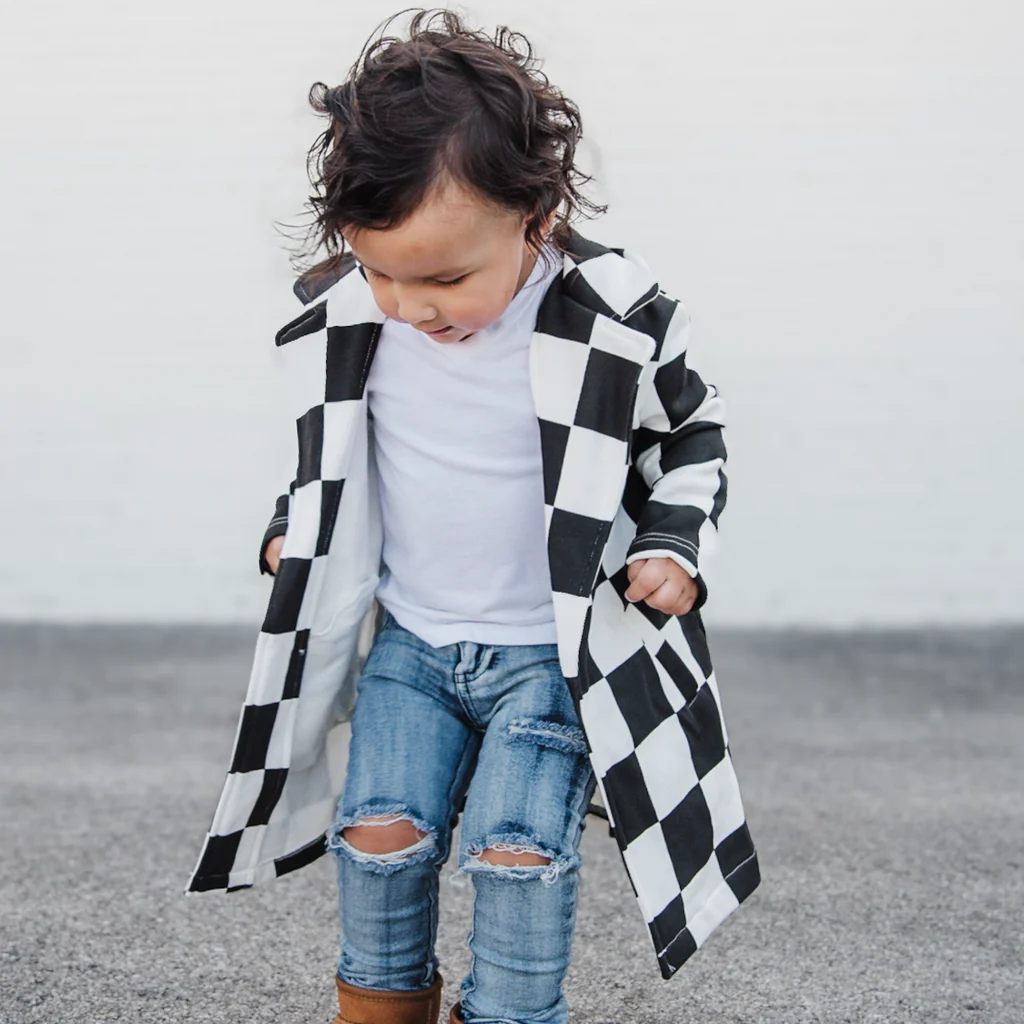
495 726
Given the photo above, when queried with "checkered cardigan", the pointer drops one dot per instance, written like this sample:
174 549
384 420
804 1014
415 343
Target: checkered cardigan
633 460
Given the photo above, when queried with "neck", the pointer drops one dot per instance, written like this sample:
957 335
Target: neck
529 261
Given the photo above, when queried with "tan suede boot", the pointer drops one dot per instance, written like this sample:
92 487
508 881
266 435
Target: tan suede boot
374 1006
455 1016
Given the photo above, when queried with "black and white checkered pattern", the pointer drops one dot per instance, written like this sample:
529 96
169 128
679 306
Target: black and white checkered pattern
633 468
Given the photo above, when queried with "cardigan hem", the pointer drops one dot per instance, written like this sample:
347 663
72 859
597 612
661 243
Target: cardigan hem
734 888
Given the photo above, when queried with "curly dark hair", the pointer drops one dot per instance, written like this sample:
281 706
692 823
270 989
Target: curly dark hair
446 103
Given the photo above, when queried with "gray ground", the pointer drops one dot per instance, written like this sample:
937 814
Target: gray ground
881 772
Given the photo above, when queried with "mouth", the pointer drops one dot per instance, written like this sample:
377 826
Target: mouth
449 334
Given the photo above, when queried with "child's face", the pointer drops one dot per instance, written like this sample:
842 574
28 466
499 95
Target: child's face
450 268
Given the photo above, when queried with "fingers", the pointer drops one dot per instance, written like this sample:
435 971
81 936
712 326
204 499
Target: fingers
687 596
645 576
273 552
666 597
661 584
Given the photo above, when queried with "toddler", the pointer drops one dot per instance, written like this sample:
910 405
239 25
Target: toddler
489 557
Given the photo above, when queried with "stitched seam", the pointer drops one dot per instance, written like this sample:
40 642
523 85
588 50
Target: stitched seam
332 518
417 993
636 309
369 356
740 865
665 533
670 537
593 554
667 540
686 927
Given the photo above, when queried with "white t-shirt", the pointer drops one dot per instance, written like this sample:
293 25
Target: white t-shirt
462 497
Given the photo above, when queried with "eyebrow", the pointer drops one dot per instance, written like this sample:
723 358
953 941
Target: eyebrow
461 272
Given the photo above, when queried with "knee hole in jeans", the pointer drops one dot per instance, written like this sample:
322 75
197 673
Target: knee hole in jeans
513 856
517 856
382 841
383 835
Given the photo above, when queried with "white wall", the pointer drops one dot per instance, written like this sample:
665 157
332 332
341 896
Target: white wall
834 191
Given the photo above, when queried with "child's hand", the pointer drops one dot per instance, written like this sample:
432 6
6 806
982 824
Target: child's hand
663 584
273 552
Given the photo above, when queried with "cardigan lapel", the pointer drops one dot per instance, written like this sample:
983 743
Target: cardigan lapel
584 374
325 357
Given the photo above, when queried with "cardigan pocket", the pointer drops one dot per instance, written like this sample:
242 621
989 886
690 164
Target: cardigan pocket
333 664
678 680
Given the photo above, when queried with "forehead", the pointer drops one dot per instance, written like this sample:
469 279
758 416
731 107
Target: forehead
449 230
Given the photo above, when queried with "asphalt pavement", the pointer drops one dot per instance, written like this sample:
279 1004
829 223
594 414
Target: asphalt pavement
883 776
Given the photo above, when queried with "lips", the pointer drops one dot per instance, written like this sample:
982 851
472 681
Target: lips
457 332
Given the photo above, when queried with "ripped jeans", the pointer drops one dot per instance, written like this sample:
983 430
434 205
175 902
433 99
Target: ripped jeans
493 725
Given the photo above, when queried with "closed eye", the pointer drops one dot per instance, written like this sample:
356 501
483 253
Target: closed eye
447 284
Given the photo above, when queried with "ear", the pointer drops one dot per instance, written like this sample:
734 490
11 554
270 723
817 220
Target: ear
547 223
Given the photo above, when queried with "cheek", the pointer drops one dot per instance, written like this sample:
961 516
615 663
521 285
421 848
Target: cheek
477 310
382 296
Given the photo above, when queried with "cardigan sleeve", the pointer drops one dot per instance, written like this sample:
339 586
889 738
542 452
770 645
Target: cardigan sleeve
275 528
679 450
278 524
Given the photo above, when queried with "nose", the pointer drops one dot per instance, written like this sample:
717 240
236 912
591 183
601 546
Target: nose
412 308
